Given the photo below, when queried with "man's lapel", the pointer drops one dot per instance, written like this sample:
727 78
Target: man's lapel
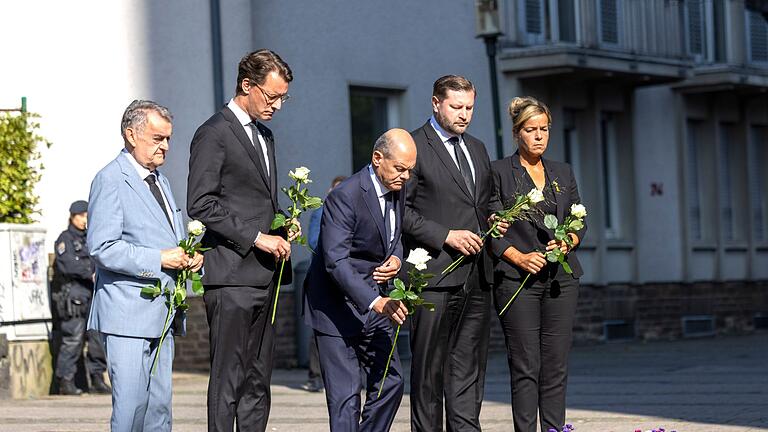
141 189
242 138
445 158
270 141
178 224
372 202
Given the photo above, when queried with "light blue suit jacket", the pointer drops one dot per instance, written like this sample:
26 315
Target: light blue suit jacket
126 232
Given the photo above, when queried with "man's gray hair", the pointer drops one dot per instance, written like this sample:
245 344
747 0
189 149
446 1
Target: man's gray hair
135 116
383 145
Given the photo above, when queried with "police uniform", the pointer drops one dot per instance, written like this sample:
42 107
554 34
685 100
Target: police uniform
72 293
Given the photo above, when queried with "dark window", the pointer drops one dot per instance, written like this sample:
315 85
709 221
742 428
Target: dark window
566 15
370 111
609 21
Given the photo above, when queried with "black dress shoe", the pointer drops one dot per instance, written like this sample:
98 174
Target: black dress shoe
98 385
67 387
313 386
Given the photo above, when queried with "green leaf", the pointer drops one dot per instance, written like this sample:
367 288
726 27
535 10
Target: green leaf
550 221
410 295
397 294
313 203
399 284
197 284
151 291
566 267
429 306
575 225
182 307
552 256
278 221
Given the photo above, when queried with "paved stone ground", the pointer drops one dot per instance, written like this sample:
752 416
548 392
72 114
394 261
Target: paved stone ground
707 385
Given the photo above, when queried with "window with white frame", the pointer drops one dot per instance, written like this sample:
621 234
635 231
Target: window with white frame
531 21
695 20
700 181
608 19
372 112
567 20
611 176
733 183
757 37
571 143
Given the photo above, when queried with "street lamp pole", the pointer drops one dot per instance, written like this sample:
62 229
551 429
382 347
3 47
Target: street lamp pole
488 28
490 50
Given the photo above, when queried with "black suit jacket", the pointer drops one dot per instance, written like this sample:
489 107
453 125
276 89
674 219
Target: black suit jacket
229 191
437 200
527 236
351 246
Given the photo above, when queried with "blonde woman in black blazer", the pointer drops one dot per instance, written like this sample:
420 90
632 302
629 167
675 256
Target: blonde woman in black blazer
538 324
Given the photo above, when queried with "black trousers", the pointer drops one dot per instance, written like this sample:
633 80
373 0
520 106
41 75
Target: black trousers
242 348
73 338
314 359
538 329
344 360
449 354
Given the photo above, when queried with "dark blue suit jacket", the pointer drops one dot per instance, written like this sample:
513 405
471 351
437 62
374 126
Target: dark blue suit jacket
351 246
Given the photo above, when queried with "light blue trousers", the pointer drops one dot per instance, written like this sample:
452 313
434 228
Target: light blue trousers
140 401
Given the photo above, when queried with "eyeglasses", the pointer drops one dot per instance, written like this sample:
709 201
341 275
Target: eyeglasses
271 99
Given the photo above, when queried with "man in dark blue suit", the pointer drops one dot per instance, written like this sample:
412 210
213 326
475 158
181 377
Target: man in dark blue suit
347 305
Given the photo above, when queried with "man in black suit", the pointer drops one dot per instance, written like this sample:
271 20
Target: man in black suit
448 203
346 300
232 189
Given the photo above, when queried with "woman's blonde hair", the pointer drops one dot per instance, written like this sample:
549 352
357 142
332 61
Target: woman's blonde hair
521 109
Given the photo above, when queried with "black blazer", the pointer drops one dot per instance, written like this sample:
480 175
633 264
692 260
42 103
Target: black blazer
524 235
230 193
351 246
437 200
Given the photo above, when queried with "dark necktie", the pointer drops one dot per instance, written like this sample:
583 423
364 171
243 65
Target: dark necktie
464 168
388 228
151 181
257 146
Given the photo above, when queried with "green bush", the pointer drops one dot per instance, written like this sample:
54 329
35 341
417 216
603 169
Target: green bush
21 168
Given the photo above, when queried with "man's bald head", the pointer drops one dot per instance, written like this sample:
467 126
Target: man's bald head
394 156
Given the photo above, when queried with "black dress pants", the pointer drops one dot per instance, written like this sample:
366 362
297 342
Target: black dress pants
73 338
538 329
242 348
449 354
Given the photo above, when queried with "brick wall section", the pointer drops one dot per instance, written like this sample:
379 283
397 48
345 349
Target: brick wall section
656 310
192 350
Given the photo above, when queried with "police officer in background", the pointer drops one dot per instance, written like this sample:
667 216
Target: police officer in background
72 292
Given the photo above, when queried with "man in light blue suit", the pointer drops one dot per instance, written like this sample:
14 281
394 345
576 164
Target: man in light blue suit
133 234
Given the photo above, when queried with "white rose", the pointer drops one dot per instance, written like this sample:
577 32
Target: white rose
535 196
419 257
578 211
195 227
300 174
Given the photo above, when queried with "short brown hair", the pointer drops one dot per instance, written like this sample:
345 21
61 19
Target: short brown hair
257 65
451 82
521 109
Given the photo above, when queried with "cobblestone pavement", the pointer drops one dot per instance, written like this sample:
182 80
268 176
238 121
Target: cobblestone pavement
705 385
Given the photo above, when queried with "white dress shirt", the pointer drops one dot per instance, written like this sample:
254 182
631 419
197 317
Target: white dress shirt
143 173
445 136
381 190
245 120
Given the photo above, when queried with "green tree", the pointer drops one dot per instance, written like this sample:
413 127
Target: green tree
21 167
